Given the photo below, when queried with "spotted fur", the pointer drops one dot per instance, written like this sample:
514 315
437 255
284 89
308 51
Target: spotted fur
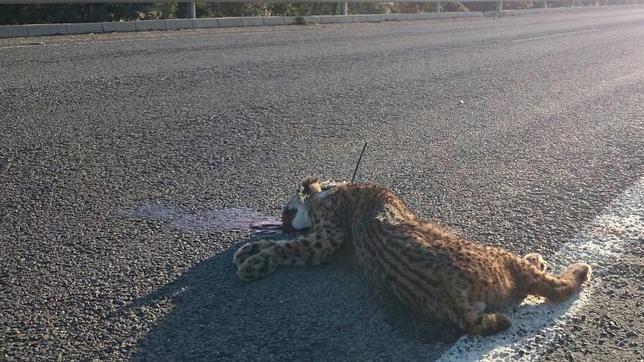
427 267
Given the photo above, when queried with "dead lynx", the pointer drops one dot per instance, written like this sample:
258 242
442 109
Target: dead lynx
428 268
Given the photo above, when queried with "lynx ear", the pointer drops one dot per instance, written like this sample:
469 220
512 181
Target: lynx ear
308 187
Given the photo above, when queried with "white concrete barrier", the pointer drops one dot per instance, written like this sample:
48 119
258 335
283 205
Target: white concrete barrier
335 19
118 26
230 22
252 21
143 25
11 31
175 24
205 23
313 19
46 29
290 20
84 28
368 18
401 17
468 14
275 20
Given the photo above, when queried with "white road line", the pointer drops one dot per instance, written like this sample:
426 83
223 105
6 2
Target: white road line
554 35
535 323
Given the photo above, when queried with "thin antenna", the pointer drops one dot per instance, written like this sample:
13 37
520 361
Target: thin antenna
358 163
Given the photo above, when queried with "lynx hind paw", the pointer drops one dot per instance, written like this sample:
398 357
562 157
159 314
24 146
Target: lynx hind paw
490 324
255 267
249 250
537 260
581 272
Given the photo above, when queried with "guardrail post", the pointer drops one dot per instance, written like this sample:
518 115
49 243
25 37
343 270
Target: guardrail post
545 5
192 10
345 8
438 7
499 6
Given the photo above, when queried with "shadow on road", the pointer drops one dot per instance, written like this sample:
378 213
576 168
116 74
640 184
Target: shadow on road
299 313
303 313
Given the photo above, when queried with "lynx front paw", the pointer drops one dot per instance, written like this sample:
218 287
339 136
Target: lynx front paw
249 250
256 266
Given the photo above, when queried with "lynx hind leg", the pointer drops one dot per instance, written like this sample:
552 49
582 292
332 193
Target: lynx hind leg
250 249
559 288
471 318
537 260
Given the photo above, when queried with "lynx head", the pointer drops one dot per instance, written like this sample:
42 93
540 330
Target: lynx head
295 215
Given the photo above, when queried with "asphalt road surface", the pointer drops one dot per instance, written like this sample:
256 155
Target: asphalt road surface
128 160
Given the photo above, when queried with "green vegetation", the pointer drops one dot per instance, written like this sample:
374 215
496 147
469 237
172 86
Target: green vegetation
63 13
72 13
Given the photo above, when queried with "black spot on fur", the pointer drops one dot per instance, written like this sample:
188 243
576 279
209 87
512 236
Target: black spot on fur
318 245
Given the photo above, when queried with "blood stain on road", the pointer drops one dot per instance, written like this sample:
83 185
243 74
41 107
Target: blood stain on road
226 219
